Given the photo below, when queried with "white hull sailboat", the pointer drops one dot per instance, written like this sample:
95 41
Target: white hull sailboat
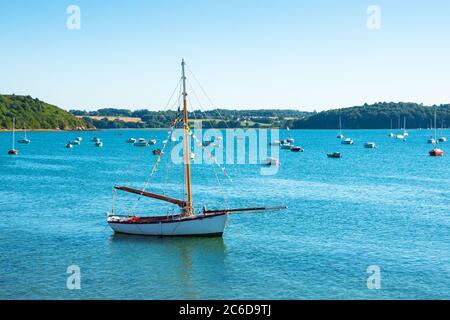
187 222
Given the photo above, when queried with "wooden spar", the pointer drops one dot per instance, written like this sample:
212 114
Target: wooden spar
189 209
179 203
244 210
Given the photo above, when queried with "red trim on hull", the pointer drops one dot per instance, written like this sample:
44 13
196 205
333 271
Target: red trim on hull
166 219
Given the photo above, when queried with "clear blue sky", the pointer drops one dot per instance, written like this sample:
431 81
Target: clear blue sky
246 53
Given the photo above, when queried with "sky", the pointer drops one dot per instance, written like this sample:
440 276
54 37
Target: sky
247 54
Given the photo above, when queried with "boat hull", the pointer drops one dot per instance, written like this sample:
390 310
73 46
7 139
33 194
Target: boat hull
198 226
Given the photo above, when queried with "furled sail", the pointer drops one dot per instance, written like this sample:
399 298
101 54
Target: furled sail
179 203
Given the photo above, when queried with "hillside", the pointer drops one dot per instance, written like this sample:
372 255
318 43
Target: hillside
377 116
35 114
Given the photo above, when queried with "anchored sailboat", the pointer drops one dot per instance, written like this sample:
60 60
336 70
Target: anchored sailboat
340 135
25 140
436 152
187 222
13 151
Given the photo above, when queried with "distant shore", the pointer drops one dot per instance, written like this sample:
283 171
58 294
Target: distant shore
48 130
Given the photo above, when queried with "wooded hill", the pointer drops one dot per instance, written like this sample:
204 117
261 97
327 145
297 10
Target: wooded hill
32 113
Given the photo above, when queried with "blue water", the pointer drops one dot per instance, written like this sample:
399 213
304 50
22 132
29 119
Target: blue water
387 207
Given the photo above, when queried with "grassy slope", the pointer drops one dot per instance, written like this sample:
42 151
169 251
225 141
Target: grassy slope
35 114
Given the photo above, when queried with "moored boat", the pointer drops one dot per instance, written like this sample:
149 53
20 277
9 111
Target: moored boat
347 141
99 144
131 140
13 151
334 155
297 149
141 143
370 145
271 162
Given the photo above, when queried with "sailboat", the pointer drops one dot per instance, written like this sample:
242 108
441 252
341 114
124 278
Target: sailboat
25 140
13 151
290 139
442 138
436 152
187 222
340 135
391 135
405 133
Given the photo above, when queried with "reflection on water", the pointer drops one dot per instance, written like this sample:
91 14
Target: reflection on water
184 257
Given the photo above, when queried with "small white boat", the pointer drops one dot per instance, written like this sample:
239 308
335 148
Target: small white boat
69 145
340 135
131 140
275 143
95 139
25 140
347 141
75 142
192 156
442 139
141 143
79 139
99 144
286 145
432 141
400 137
153 141
370 145
290 140
391 135
271 162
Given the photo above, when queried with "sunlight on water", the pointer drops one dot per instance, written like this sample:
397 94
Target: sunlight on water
387 206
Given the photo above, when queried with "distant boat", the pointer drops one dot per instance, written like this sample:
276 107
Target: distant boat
435 152
370 145
157 152
13 151
405 133
431 140
400 137
99 144
275 143
153 141
69 145
285 145
271 162
391 135
340 135
141 143
442 138
95 139
347 141
334 155
131 140
297 149
290 139
79 139
192 156
76 142
25 140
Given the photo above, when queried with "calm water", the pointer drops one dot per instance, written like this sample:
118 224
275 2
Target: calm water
388 207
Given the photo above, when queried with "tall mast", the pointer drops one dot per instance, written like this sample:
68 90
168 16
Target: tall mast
189 210
435 129
14 125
